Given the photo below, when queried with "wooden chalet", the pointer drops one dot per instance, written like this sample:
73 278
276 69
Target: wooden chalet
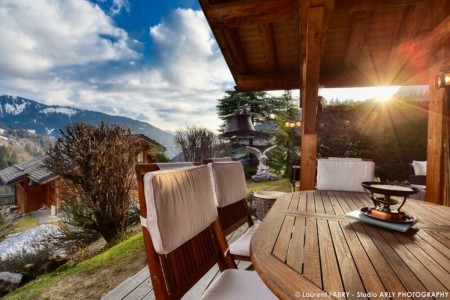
35 185
144 144
308 44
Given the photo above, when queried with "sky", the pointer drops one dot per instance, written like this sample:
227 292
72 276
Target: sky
155 61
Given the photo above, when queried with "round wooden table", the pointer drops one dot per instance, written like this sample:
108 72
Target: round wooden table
306 247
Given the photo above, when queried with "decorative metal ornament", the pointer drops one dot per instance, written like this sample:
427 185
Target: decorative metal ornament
238 125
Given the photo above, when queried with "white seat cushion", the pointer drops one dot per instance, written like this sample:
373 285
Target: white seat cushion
238 284
242 245
344 174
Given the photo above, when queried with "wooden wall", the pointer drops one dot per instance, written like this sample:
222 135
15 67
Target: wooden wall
31 198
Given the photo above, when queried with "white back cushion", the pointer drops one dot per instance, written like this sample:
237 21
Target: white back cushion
220 159
229 182
179 206
344 175
345 158
165 166
420 167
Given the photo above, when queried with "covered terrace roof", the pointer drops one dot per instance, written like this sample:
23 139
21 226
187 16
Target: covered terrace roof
365 42
307 44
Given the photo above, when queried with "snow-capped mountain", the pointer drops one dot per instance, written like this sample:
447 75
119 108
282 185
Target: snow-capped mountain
18 112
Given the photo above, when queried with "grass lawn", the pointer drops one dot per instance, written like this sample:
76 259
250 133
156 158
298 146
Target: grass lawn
281 185
90 279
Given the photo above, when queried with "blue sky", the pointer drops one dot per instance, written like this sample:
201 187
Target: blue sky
152 60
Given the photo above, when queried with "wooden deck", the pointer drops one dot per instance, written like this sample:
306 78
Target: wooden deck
139 287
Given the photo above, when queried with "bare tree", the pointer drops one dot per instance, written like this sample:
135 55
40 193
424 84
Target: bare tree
96 164
197 143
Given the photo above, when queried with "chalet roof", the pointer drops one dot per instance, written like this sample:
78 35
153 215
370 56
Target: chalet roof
148 140
33 169
364 43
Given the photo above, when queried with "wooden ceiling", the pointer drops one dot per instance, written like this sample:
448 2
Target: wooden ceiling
365 42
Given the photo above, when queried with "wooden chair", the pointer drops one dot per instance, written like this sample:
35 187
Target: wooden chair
344 174
230 191
183 238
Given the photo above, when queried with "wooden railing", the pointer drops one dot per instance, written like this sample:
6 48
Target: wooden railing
7 199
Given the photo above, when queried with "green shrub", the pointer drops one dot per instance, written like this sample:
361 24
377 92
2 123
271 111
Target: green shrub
249 171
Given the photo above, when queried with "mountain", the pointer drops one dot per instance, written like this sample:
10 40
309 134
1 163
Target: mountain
18 112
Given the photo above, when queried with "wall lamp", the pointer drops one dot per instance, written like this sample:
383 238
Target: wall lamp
442 80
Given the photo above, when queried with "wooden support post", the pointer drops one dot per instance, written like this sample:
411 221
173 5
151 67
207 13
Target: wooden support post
438 112
435 141
309 94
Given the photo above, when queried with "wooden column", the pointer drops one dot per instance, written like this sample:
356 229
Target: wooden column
438 110
309 93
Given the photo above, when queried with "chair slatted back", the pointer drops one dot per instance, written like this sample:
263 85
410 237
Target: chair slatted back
184 266
229 176
173 274
233 216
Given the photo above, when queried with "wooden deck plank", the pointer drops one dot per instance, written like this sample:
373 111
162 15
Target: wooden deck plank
128 285
142 291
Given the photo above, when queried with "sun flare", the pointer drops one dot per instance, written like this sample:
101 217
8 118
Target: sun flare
379 93
384 93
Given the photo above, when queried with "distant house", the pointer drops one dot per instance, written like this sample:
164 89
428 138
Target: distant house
35 185
144 144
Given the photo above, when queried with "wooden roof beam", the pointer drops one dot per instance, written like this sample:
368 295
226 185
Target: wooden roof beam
264 82
231 39
358 31
351 76
266 30
404 47
440 34
354 6
237 13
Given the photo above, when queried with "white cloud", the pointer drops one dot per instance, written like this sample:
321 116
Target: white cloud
37 36
65 60
187 53
118 5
